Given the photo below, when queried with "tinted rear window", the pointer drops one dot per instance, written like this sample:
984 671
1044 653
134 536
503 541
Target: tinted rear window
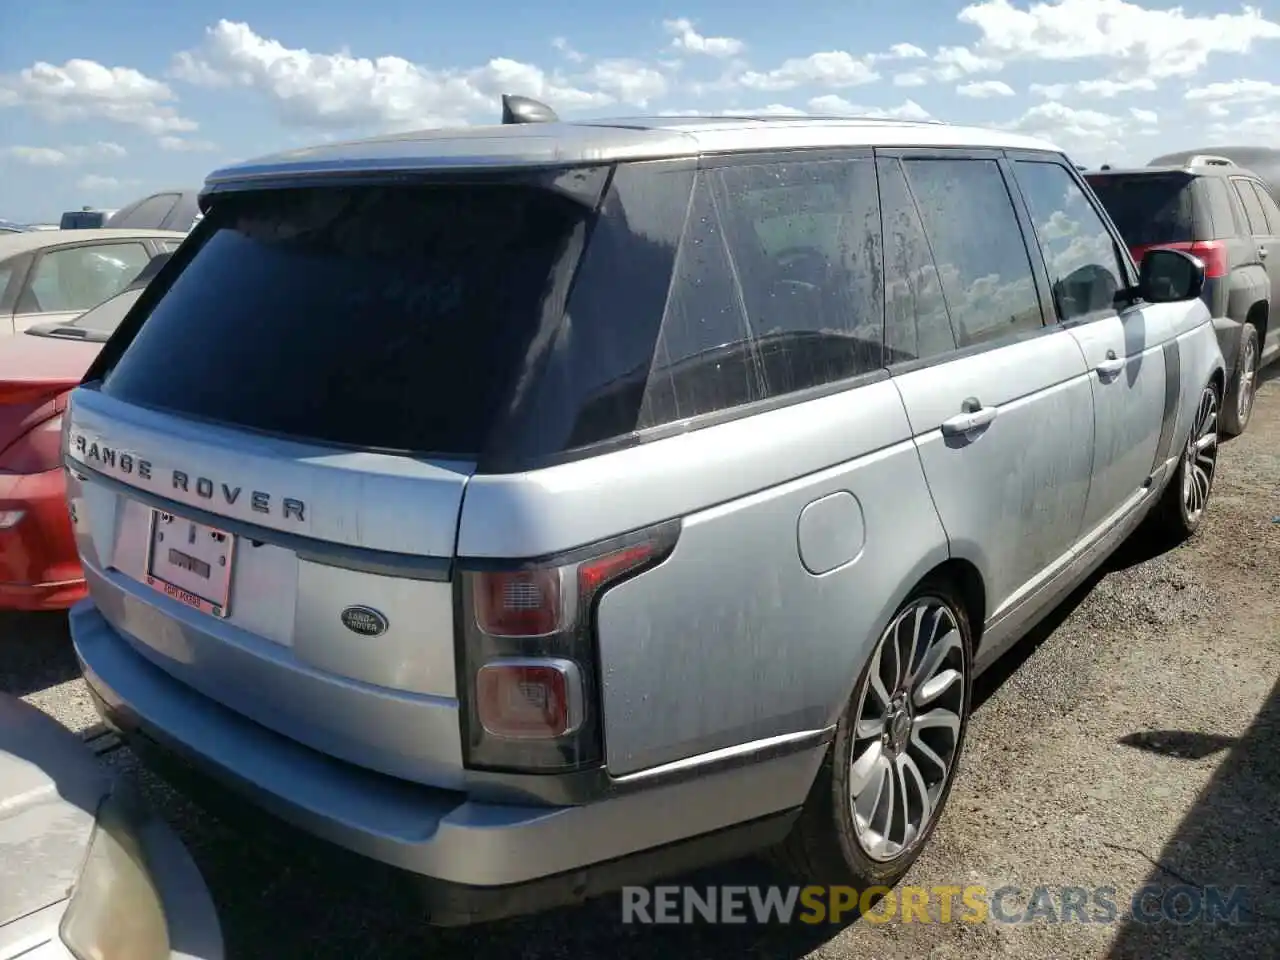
379 317
1149 209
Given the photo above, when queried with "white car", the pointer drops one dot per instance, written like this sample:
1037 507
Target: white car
86 873
52 275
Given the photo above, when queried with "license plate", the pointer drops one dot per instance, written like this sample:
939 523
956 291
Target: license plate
190 562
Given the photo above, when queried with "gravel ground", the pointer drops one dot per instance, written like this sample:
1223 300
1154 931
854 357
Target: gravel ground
1131 740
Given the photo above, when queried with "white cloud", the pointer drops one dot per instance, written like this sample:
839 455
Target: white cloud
832 104
1105 88
826 105
629 81
1146 42
64 156
342 90
686 39
36 156
185 145
983 89
951 63
567 51
907 51
1262 127
832 68
1234 92
772 110
1084 134
85 89
92 181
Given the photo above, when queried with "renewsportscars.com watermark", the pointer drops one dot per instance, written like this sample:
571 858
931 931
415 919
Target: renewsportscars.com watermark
1149 904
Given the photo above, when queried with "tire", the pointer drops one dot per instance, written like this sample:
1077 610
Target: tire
1182 506
829 844
1237 405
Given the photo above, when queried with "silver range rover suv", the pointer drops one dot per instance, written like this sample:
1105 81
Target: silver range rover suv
549 506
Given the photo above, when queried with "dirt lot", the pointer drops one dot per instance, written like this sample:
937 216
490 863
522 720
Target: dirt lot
1134 739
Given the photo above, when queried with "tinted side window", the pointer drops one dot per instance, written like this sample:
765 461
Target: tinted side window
81 277
593 380
977 244
777 287
1079 251
1252 207
916 325
704 330
1218 205
6 277
1269 209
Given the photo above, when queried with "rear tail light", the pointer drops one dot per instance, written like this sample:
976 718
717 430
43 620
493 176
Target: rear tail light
529 674
1212 253
529 699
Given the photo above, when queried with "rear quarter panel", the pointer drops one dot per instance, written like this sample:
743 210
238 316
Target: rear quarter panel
734 640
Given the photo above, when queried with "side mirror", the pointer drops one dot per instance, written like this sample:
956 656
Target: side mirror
1169 276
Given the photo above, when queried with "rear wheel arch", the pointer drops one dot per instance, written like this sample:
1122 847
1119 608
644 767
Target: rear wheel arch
822 846
965 577
1259 316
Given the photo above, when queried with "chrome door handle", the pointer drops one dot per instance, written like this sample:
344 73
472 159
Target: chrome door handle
971 420
1262 253
1110 366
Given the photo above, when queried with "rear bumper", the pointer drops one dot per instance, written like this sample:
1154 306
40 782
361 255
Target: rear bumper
39 569
472 861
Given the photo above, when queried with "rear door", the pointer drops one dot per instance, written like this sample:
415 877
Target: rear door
1125 352
999 403
1269 250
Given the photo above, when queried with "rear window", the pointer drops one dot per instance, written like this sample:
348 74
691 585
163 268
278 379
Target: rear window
1149 209
380 317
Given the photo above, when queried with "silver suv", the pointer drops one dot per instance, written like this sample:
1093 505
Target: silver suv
543 507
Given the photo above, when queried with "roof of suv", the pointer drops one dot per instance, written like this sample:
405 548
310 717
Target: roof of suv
1209 168
602 141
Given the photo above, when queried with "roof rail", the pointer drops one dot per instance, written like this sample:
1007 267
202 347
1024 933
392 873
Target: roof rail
525 110
1209 160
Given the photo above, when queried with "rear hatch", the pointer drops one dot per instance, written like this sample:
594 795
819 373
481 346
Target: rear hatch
1150 209
270 457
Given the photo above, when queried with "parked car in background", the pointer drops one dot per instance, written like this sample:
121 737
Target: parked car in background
58 274
1223 214
8 226
653 497
168 210
87 871
86 218
39 569
1263 161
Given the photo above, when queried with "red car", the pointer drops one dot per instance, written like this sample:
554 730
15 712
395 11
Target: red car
39 569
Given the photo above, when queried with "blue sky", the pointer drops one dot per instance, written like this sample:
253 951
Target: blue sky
103 103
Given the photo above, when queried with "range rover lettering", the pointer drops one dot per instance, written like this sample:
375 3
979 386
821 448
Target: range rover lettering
696 466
